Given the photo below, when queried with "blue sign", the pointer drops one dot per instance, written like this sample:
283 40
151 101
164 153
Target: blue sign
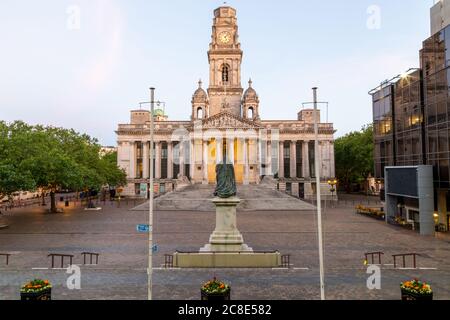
143 228
155 248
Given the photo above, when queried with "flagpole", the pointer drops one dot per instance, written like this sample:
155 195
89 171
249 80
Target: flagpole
150 213
319 203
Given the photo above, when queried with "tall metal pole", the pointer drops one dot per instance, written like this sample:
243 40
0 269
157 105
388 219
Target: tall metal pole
150 213
319 204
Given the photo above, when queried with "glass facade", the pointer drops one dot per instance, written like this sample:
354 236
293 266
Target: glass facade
435 62
408 128
398 123
383 129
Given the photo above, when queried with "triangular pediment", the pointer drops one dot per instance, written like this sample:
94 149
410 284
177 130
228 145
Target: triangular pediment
226 120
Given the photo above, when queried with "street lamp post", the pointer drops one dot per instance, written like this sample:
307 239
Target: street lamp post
332 183
150 215
319 204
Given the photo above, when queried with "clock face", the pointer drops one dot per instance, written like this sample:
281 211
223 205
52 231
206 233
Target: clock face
225 37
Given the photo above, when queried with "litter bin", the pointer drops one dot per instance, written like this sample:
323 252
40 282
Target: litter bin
67 203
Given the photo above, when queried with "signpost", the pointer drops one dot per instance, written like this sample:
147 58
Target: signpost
143 228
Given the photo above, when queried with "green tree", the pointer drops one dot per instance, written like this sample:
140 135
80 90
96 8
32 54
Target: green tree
52 159
13 176
113 177
354 157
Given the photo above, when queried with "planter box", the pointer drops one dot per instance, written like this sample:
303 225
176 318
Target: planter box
409 296
216 296
41 296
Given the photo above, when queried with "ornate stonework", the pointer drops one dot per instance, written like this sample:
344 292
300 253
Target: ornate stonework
225 119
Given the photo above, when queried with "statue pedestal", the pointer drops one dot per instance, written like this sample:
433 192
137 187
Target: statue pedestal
226 237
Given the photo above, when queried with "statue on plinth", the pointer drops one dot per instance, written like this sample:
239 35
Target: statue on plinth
226 180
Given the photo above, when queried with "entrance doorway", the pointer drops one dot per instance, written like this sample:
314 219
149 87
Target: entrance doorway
236 155
301 190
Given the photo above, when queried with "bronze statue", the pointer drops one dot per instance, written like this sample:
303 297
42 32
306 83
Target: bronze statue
226 180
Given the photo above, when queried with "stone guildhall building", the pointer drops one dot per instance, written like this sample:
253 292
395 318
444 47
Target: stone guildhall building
225 123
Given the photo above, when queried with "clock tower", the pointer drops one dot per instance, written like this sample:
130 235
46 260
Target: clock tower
225 58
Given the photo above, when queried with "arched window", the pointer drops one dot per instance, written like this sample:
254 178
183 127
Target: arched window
200 113
225 74
250 113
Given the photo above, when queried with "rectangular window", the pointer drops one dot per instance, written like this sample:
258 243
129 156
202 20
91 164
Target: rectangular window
299 154
287 159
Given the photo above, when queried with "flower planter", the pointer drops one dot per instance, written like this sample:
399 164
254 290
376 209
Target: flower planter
410 296
36 290
43 295
215 290
226 296
416 290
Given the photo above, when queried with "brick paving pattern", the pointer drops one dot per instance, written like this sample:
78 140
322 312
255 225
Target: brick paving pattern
121 273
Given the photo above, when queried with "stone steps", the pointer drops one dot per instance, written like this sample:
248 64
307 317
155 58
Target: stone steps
253 198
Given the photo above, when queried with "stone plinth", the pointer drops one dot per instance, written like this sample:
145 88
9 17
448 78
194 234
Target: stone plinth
226 237
227 260
226 247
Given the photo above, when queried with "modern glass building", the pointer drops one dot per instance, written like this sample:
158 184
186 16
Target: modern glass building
435 59
398 122
411 117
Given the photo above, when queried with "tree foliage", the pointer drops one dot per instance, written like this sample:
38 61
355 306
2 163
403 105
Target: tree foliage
354 157
52 158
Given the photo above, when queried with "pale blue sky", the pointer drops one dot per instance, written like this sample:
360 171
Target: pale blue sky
89 79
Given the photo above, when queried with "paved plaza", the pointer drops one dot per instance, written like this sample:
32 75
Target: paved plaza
121 273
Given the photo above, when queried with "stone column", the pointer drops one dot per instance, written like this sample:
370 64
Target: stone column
205 161
269 170
192 158
231 151
133 160
146 160
211 73
305 156
246 163
158 160
218 151
169 160
281 160
332 161
293 159
181 149
258 159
